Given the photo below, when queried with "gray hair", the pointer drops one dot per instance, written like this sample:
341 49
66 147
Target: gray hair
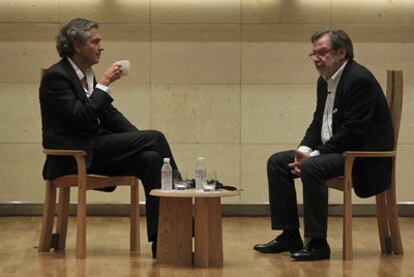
74 30
339 39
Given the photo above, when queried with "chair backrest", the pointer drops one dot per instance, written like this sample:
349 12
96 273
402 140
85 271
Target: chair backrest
395 99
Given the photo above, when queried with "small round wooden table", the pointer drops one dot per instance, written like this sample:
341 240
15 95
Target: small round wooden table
175 227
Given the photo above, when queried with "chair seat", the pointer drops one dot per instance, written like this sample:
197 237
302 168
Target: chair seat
93 181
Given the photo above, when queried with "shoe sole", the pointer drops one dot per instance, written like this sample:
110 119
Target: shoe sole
281 251
310 259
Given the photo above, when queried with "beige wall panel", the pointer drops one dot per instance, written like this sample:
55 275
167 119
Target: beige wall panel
279 32
273 63
28 32
197 113
136 51
195 62
195 32
195 54
369 33
25 49
276 11
21 172
122 11
133 101
20 114
29 11
276 113
379 57
22 61
405 176
407 123
184 11
222 158
372 11
124 32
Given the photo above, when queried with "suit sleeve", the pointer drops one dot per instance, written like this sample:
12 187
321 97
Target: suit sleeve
58 92
358 110
116 122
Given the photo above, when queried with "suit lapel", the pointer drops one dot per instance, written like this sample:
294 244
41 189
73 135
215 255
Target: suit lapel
80 92
339 94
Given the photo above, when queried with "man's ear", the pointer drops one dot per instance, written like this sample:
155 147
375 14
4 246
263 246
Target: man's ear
77 45
342 53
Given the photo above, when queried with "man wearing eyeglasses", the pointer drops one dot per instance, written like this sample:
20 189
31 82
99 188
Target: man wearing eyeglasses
351 114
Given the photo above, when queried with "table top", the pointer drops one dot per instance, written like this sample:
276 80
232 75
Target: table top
194 193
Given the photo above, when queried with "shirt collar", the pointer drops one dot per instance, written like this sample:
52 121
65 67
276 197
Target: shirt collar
335 78
79 73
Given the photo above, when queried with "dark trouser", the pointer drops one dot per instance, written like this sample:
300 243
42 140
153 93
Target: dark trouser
137 153
315 171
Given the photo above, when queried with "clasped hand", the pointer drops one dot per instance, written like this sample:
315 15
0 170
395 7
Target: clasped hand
299 158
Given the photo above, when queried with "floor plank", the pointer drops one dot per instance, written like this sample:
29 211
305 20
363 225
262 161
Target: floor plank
108 251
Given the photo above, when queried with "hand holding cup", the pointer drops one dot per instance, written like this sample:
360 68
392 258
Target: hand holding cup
124 66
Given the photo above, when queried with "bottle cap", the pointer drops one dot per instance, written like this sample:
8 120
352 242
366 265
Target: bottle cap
166 160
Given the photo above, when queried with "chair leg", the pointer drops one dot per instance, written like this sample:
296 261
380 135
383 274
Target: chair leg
48 218
81 223
62 216
134 228
347 224
395 235
383 229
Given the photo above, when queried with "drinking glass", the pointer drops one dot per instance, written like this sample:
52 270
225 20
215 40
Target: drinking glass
211 180
180 179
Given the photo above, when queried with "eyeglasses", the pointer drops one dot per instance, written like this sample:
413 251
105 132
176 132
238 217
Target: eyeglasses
320 53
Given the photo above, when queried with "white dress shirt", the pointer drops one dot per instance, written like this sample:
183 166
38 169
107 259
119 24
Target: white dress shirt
89 79
326 131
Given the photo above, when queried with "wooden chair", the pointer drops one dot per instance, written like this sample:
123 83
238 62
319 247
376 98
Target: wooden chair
83 182
387 214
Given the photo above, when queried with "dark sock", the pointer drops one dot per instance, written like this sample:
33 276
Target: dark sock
318 242
290 234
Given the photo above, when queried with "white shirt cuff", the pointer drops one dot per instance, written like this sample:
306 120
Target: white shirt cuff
315 153
304 149
104 88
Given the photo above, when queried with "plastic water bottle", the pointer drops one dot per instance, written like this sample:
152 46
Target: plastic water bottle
166 175
200 173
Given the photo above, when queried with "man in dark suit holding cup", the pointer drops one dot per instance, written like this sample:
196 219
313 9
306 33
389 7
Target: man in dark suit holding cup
77 113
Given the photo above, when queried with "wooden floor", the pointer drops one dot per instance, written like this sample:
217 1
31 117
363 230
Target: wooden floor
108 254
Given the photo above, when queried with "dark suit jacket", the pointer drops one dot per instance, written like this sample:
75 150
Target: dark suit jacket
70 119
361 122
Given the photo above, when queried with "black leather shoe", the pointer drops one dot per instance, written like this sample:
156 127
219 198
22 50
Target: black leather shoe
312 252
279 245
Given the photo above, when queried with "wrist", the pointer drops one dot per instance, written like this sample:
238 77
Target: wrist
105 81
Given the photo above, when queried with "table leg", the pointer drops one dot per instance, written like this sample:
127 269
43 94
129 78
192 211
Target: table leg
208 233
174 244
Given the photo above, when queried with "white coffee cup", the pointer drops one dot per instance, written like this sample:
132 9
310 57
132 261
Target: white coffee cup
125 66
